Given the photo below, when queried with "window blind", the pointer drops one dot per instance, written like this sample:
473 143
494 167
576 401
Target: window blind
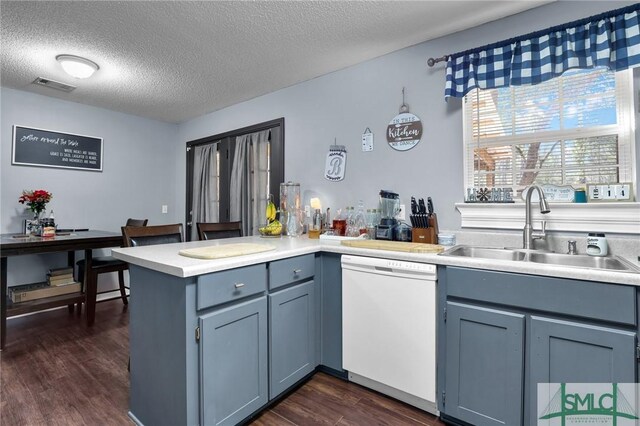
574 129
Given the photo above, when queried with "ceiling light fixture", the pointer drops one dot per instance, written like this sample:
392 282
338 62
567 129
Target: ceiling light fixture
76 66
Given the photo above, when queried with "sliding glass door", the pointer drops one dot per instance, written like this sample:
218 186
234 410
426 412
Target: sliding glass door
230 176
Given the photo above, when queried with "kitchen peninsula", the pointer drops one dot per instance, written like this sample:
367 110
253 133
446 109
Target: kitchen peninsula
213 341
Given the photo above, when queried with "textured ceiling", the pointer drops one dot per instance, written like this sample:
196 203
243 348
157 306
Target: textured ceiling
173 61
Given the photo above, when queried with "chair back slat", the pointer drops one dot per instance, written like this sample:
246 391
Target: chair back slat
135 236
214 231
137 222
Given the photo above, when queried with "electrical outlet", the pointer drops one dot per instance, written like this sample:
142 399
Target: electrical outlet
401 213
307 211
165 208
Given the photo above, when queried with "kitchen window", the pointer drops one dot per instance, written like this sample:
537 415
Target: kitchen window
571 130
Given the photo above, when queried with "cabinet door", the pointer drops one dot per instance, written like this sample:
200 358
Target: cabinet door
233 362
484 365
292 336
568 352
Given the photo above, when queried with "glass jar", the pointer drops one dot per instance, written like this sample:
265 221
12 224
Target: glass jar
291 214
352 229
340 224
47 228
360 219
316 225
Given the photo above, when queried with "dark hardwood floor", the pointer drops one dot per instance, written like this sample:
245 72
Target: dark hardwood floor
325 400
56 371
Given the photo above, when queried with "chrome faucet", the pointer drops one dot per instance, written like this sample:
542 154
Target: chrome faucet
528 234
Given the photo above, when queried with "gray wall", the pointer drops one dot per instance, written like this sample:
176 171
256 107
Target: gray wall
344 103
138 174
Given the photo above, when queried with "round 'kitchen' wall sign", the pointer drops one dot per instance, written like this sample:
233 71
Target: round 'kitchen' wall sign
404 131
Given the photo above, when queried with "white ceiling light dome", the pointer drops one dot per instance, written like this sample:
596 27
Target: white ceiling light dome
76 66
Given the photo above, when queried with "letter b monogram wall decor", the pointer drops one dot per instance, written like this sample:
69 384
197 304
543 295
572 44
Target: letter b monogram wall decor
336 163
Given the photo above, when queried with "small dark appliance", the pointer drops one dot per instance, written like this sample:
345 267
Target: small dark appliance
389 208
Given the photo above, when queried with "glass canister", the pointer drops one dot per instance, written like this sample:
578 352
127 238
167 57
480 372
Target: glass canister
340 223
47 227
360 219
290 208
316 225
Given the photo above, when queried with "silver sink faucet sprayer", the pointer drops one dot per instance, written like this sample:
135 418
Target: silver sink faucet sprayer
528 234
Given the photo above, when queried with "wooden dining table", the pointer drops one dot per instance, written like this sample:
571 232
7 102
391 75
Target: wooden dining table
70 242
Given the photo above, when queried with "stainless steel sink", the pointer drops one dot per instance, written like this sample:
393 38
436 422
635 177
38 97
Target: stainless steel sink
583 261
610 263
485 253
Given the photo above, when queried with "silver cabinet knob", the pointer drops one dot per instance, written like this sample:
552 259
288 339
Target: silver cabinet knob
297 271
239 285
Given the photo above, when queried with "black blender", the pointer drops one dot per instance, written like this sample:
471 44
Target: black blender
389 208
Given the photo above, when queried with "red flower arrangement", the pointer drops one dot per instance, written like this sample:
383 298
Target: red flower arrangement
36 200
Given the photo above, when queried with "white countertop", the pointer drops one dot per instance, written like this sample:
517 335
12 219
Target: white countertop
165 258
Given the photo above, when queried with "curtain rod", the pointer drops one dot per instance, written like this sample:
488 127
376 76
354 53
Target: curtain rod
432 61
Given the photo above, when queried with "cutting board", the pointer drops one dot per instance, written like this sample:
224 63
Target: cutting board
226 250
394 246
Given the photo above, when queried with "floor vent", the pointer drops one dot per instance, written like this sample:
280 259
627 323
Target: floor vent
41 81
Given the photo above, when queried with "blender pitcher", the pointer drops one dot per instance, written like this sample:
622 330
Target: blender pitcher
389 207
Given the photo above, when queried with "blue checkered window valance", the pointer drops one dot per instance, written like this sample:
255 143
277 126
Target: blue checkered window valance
611 39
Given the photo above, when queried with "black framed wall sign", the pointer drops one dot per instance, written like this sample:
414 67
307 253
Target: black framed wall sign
48 148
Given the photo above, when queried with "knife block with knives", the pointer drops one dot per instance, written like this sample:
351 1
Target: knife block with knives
425 224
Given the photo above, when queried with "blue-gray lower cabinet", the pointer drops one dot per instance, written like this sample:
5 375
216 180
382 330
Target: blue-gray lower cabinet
212 349
570 352
292 336
331 312
484 366
233 362
505 333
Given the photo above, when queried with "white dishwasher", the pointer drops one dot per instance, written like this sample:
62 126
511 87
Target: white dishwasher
389 327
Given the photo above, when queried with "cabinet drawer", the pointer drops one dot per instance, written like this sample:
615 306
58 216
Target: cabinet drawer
285 271
221 287
587 299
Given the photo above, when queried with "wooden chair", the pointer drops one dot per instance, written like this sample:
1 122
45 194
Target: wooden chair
214 231
105 264
150 235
